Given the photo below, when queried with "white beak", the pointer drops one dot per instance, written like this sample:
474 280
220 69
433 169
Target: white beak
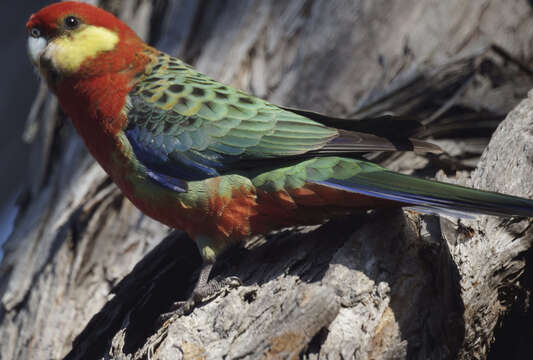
36 47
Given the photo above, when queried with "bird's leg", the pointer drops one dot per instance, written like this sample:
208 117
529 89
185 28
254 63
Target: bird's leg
204 289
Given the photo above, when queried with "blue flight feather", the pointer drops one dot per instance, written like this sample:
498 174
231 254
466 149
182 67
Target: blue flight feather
165 164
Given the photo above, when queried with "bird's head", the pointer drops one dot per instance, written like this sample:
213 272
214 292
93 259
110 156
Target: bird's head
70 38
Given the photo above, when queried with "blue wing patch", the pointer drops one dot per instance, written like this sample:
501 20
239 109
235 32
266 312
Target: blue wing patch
188 165
170 169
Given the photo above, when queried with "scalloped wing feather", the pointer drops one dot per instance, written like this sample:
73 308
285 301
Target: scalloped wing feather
175 111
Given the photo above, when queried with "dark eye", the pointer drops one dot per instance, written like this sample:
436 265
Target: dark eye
72 22
35 33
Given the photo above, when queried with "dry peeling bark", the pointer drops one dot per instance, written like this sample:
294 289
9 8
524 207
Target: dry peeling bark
86 276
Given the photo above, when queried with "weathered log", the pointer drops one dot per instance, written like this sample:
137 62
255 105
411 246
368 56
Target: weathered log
85 275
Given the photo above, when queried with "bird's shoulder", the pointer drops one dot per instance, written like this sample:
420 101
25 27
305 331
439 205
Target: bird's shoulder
170 84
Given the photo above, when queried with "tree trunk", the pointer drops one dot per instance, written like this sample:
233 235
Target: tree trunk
86 275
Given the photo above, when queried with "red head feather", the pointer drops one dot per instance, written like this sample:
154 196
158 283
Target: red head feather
50 18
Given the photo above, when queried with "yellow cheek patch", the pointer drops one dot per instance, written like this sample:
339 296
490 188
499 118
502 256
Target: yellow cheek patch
69 52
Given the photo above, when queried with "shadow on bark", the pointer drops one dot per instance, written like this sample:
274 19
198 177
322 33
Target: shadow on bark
166 273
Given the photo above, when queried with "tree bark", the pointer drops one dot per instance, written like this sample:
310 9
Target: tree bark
86 275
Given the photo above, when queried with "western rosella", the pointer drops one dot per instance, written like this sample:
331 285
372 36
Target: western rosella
222 165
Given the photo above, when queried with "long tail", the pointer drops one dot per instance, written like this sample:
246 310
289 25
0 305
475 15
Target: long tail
372 180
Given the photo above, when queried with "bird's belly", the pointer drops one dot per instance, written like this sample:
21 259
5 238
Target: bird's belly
218 207
152 199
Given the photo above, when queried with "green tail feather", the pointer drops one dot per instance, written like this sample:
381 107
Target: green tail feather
370 179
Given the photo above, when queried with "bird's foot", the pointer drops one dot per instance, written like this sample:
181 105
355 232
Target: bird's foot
202 293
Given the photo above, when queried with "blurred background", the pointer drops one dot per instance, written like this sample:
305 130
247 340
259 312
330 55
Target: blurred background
18 91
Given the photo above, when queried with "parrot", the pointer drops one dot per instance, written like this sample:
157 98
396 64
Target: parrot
213 161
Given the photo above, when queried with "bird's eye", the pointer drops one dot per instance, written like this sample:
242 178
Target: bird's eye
35 33
72 22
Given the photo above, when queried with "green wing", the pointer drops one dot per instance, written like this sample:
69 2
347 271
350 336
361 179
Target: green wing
178 117
202 114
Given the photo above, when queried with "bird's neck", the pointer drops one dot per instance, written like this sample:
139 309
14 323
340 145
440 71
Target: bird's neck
95 96
95 108
96 105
